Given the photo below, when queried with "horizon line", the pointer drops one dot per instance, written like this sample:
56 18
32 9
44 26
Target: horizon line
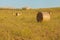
27 7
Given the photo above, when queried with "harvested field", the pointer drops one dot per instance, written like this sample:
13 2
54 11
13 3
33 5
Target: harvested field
25 27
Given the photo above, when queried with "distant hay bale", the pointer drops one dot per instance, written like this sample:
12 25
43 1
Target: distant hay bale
17 14
43 16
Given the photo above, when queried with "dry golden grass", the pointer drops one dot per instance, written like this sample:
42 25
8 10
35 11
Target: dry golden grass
25 27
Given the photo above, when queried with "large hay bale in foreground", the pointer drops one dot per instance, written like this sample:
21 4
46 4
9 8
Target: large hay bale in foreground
43 16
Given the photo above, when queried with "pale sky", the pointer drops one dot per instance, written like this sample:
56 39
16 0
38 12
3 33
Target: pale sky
30 3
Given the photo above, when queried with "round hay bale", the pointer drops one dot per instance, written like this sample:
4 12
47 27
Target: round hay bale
43 16
17 13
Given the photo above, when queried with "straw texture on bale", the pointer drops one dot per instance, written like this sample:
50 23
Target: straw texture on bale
43 16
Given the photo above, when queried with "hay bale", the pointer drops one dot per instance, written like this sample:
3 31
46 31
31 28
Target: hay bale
17 14
43 16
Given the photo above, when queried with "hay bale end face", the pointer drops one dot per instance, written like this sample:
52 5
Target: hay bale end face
43 16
